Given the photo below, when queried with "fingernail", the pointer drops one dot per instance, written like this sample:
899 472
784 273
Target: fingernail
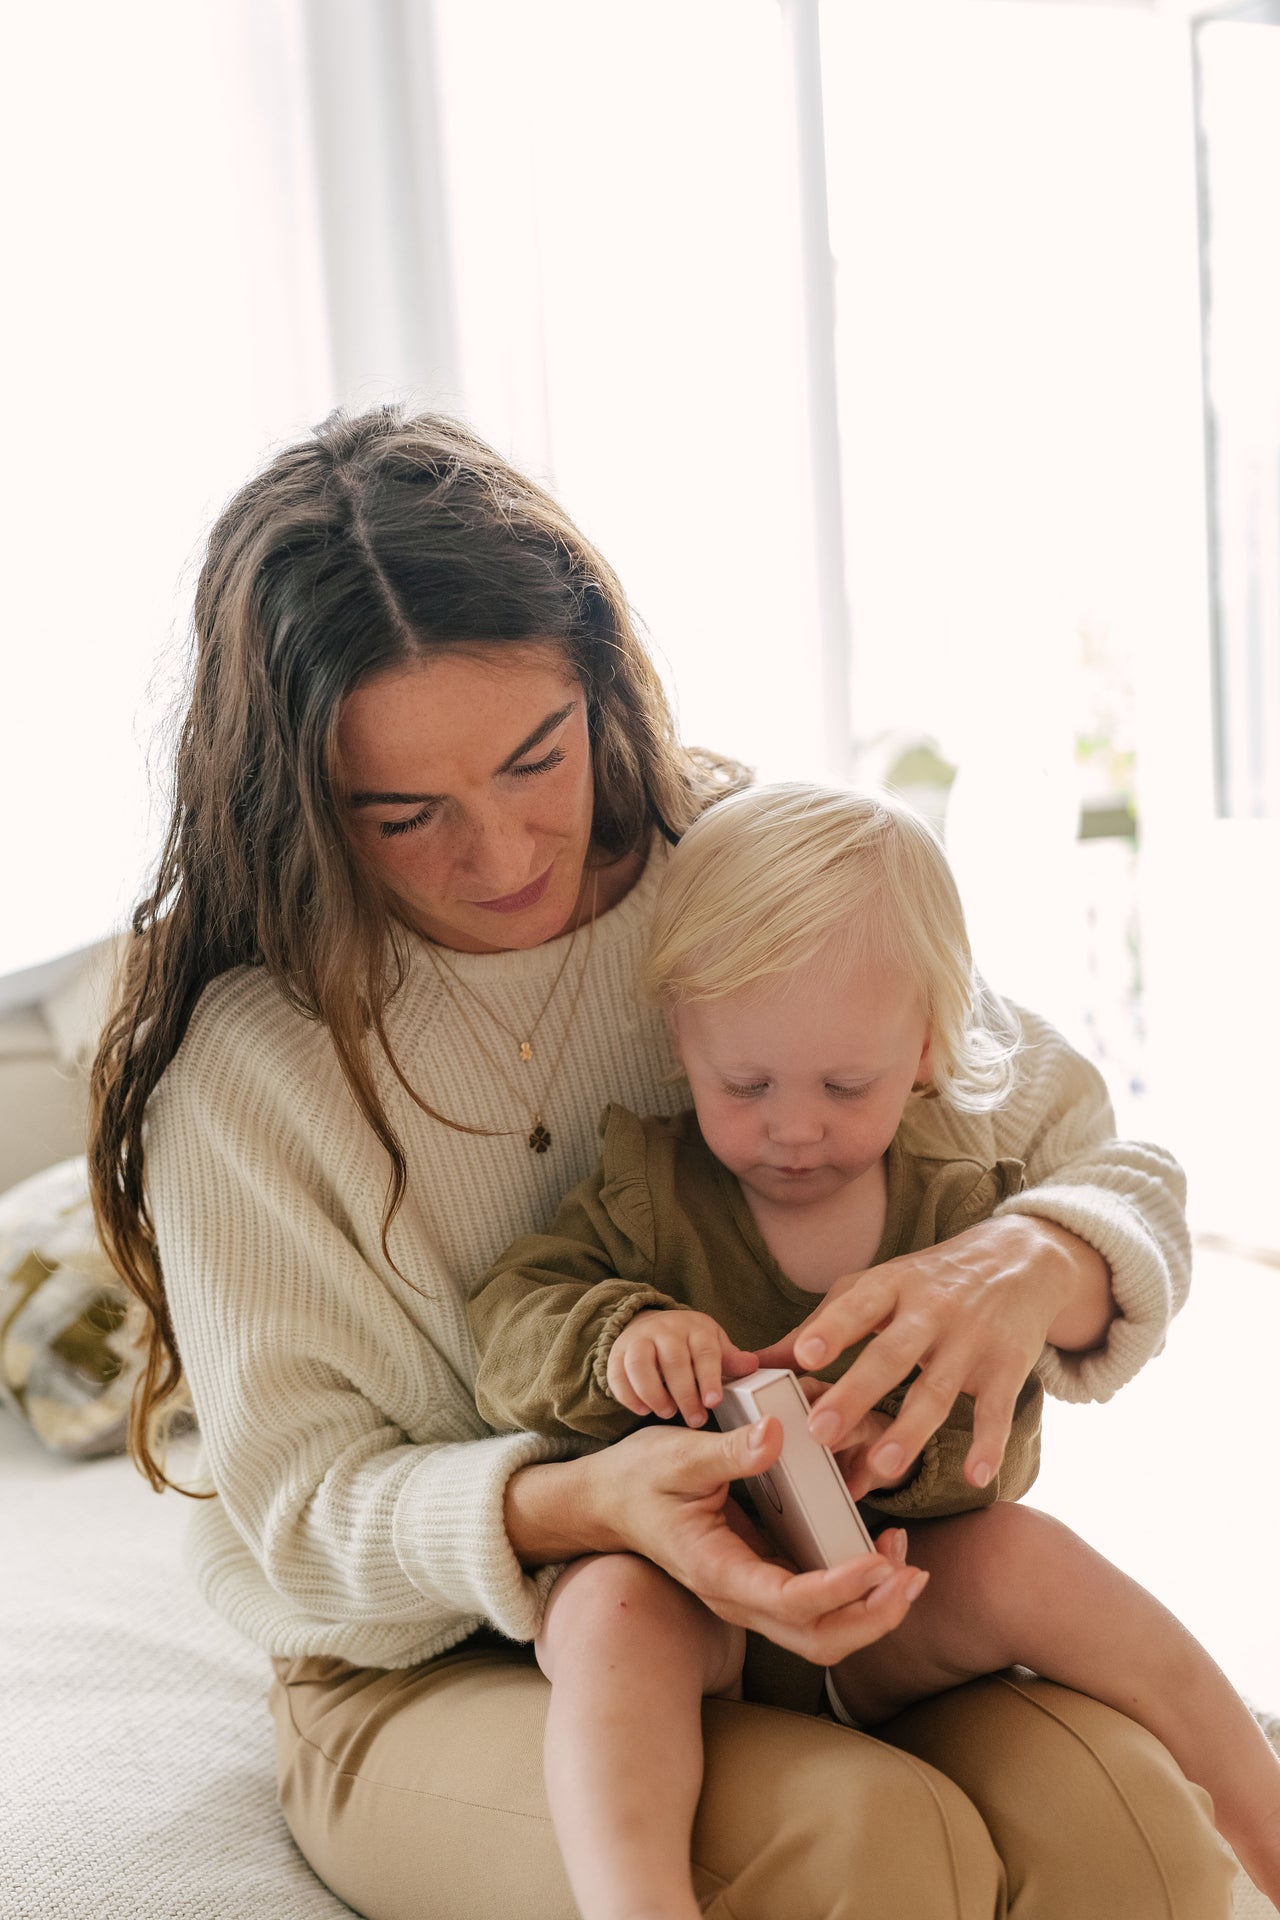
889 1459
756 1434
811 1350
982 1475
825 1428
878 1575
711 1398
917 1586
897 1544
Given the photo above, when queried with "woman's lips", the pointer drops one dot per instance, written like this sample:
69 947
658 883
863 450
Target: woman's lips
517 902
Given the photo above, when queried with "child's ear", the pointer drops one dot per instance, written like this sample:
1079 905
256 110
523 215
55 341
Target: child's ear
677 1074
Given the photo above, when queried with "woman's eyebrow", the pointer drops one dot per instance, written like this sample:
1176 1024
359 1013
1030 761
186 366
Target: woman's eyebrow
540 732
549 725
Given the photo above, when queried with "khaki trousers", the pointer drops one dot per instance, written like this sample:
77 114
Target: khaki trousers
417 1794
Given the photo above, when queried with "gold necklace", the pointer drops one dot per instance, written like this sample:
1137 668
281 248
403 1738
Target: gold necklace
539 1136
524 1046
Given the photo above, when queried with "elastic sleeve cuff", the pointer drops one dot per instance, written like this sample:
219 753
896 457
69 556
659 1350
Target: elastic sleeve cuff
638 1299
1140 1284
449 1534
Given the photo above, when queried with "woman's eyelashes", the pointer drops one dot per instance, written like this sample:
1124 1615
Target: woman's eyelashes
388 829
544 765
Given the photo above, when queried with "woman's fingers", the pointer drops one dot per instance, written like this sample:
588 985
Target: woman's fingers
881 1366
824 1616
853 1308
673 1486
993 1413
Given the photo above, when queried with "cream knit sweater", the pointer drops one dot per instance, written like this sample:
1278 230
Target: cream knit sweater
360 1508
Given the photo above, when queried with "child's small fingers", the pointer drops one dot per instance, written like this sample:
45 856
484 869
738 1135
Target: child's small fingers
682 1384
625 1394
645 1377
704 1351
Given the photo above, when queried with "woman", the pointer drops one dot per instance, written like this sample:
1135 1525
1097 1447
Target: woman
377 999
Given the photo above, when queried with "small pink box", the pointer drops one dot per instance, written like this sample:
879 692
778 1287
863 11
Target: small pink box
802 1500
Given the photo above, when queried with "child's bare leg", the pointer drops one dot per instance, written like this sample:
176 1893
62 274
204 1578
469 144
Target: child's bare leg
1011 1586
630 1655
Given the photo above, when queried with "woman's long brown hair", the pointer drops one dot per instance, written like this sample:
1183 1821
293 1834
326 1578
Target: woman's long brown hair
378 540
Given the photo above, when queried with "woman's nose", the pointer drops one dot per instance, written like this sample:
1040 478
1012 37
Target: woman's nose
494 853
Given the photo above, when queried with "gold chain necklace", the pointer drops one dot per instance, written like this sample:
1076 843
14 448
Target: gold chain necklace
539 1136
524 1045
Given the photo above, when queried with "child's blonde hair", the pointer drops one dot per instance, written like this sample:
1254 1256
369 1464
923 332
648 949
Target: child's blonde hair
776 877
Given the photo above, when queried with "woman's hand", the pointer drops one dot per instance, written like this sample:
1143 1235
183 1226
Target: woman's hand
663 1493
973 1314
853 1458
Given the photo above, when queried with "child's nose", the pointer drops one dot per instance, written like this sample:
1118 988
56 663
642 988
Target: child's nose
795 1123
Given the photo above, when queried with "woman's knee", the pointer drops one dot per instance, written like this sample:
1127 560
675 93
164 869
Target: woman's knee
1088 1811
803 1818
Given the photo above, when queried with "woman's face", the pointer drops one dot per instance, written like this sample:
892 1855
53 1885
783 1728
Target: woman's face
466 782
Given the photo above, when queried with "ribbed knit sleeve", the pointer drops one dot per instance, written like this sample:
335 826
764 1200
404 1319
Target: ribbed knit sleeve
1125 1198
360 1494
359 1509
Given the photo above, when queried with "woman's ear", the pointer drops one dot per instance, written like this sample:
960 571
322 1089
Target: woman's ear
924 1066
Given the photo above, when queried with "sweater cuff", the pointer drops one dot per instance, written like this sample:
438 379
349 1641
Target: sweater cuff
636 1300
450 1537
1140 1285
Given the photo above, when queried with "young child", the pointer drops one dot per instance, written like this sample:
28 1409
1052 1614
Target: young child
811 950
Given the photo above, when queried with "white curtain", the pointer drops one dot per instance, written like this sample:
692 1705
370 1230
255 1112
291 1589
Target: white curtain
575 224
166 322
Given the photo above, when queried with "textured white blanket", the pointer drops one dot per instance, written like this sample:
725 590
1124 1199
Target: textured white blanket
136 1771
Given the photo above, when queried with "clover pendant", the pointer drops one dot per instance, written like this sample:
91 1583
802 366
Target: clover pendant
539 1139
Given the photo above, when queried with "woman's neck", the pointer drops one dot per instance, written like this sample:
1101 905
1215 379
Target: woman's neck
606 887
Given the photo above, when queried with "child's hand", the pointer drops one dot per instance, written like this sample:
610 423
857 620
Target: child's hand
671 1360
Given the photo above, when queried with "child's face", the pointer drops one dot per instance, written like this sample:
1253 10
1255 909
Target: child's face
799 1086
